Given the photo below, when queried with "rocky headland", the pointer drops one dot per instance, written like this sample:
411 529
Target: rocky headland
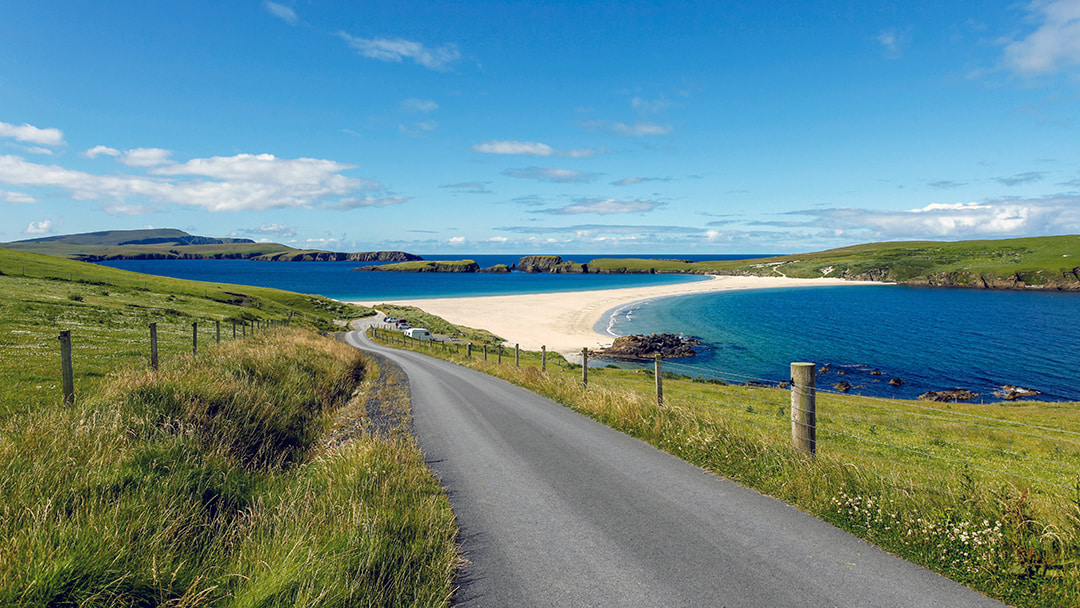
638 346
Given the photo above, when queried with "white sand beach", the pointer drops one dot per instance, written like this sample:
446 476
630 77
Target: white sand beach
564 322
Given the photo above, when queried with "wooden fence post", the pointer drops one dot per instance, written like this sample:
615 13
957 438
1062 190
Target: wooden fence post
585 367
68 376
517 355
500 354
468 350
543 358
234 329
195 338
217 325
153 347
804 407
485 352
659 373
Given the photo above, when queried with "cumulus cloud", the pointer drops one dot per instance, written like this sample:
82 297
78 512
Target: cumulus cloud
607 206
530 148
30 134
16 197
640 128
245 182
557 176
275 230
396 50
469 187
43 227
146 157
97 151
1054 45
282 12
1000 218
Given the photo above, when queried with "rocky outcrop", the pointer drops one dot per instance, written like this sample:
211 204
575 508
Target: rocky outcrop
425 266
1012 393
496 269
550 263
638 346
953 394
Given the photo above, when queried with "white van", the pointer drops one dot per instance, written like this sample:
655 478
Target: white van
418 333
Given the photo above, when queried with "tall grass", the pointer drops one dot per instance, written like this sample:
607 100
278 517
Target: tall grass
210 483
1011 539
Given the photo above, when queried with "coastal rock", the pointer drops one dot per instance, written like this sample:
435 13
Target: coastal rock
338 256
842 386
669 346
425 266
1012 393
496 269
550 263
954 394
895 381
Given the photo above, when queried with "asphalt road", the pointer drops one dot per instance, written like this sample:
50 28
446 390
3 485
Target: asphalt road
558 510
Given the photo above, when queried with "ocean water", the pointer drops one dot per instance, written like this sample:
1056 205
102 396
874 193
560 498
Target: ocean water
933 339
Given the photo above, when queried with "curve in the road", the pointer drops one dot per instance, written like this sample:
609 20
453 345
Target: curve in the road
556 509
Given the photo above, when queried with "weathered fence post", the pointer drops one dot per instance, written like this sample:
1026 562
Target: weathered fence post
585 367
543 358
659 381
234 329
485 352
804 407
153 347
500 354
195 338
217 325
468 350
66 372
517 355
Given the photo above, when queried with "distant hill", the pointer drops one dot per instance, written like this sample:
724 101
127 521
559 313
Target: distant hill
173 244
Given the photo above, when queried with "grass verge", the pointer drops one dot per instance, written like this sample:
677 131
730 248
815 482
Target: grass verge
211 484
966 490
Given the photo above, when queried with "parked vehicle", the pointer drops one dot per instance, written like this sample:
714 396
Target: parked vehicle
419 333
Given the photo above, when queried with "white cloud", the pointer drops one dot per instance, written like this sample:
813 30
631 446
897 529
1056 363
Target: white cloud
282 12
146 157
32 135
97 151
16 197
397 49
457 241
640 129
277 230
530 148
234 183
43 227
607 206
558 176
419 105
1054 45
991 219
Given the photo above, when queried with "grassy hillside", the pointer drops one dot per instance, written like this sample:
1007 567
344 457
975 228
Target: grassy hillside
108 310
243 476
156 243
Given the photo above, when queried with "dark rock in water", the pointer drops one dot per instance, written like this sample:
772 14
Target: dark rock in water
954 394
877 372
842 386
896 381
1012 393
669 346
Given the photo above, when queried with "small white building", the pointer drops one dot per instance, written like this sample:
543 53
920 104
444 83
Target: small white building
418 333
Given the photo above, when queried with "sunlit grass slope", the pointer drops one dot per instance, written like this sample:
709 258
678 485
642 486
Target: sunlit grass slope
211 483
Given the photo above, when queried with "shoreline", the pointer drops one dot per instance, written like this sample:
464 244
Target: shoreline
565 322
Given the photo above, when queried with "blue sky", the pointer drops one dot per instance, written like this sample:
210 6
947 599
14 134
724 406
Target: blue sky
529 127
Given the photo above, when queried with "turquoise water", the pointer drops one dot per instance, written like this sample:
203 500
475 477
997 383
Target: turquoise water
933 339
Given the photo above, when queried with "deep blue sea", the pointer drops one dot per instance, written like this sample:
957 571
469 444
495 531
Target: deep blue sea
933 339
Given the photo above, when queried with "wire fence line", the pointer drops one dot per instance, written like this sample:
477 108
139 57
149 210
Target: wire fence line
949 449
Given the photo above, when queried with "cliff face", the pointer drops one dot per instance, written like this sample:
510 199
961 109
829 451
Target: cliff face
429 266
550 263
338 256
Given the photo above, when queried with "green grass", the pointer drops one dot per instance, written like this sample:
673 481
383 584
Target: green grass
988 495
431 266
210 483
108 311
1050 262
